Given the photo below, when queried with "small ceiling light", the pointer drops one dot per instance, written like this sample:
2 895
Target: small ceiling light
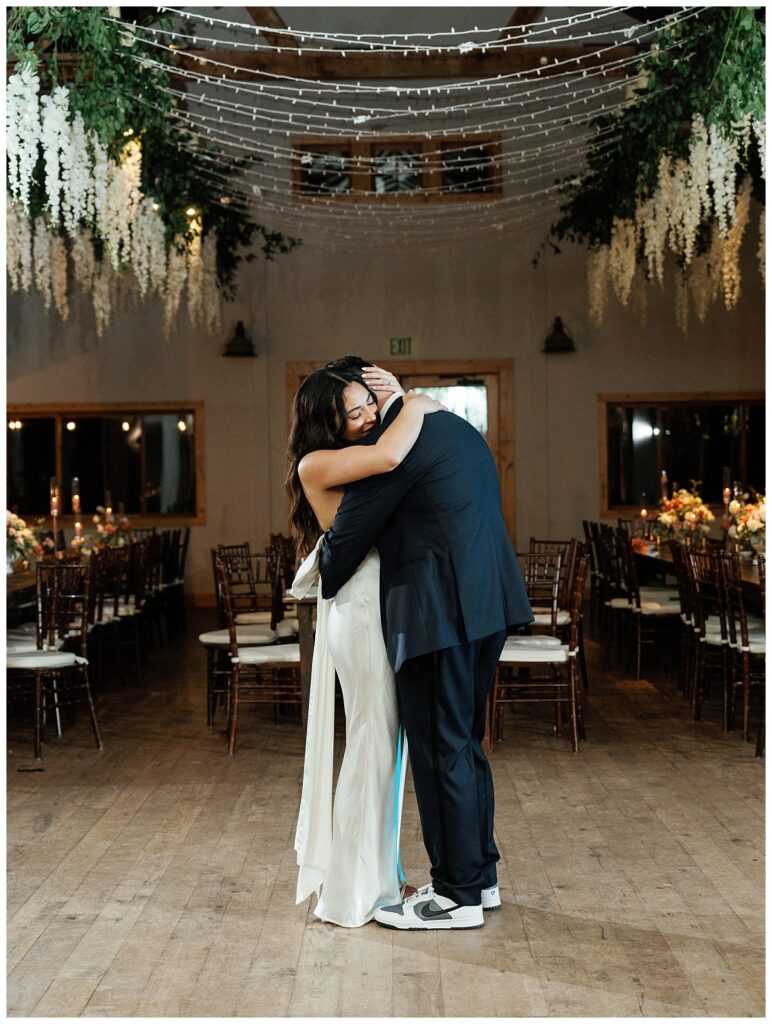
239 344
191 211
557 340
182 425
18 424
71 424
126 425
12 424
129 131
225 200
156 206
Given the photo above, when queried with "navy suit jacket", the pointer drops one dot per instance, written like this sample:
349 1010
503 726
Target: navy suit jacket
448 571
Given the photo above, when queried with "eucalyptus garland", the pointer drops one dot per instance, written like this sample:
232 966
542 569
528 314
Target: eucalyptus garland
677 168
93 154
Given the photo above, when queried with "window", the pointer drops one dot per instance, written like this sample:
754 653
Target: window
717 440
144 461
455 169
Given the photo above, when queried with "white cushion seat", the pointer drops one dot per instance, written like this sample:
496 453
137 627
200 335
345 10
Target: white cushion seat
17 646
251 636
619 602
545 618
518 650
253 618
283 654
649 608
44 660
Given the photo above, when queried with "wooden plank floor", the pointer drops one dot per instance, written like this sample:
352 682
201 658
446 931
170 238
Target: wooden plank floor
157 878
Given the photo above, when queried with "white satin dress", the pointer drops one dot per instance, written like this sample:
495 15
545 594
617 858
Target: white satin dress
348 852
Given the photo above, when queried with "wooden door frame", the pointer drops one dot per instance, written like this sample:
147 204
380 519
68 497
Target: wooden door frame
295 373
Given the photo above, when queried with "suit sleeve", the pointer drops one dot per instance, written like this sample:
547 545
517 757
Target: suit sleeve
366 508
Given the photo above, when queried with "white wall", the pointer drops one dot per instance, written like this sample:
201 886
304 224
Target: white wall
461 302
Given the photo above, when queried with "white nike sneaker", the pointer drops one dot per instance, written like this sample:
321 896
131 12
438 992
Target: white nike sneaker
491 900
429 911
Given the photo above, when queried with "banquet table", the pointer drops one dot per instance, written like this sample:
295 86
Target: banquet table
662 560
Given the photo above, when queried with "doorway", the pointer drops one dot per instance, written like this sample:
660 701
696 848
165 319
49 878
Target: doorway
480 390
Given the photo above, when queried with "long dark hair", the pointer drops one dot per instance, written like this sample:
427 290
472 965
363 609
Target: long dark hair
318 421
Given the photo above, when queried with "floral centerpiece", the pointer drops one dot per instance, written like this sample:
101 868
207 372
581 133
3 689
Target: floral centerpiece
112 531
20 541
685 514
748 523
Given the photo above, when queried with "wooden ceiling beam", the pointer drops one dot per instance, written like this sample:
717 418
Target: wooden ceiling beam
532 61
269 17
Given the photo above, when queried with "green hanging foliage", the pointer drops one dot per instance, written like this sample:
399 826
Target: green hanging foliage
117 95
711 64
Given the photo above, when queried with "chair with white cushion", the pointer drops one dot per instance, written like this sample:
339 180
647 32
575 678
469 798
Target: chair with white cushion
651 610
56 671
258 674
710 620
559 685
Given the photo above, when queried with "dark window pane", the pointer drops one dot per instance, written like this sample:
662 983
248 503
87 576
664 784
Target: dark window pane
396 169
31 464
106 459
468 169
712 443
325 170
170 464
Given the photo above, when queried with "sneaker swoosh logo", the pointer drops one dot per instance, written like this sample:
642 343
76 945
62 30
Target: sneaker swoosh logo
424 911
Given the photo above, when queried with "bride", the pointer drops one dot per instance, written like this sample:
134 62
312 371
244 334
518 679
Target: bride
351 862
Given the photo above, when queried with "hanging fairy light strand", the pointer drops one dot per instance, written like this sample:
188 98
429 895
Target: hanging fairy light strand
567 65
302 35
509 41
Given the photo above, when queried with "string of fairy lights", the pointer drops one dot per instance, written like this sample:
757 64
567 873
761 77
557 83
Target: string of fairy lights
355 162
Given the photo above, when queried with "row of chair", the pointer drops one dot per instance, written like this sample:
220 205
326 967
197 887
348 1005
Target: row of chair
703 617
117 601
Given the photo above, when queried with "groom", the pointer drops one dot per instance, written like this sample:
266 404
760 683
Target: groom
450 588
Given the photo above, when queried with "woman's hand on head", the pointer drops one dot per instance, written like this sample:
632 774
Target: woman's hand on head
425 403
381 381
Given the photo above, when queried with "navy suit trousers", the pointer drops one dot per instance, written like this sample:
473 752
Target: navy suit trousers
442 700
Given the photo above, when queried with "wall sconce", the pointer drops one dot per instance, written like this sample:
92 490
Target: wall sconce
557 340
239 344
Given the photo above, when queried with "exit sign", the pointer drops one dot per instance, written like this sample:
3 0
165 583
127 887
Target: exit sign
406 345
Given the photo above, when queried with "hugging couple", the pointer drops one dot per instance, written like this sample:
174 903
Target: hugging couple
394 502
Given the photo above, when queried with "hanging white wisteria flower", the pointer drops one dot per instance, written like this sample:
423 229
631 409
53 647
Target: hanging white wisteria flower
597 283
195 274
699 165
622 257
760 131
101 293
148 247
22 131
58 258
731 252
77 179
83 259
761 252
176 272
210 289
54 137
41 255
681 303
705 276
723 159
18 237
639 296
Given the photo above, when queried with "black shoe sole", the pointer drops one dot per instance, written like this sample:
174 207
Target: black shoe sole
488 910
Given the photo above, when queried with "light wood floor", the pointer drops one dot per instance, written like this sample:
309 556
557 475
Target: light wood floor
157 878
